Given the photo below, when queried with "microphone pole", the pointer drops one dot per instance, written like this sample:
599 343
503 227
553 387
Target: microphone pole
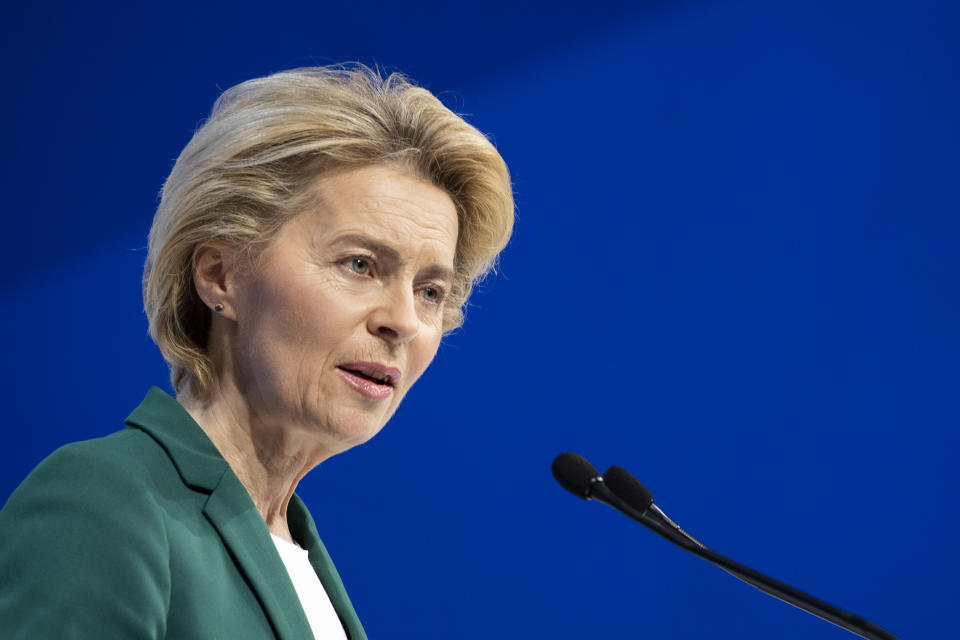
632 499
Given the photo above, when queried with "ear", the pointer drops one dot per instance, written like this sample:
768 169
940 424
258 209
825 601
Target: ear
214 276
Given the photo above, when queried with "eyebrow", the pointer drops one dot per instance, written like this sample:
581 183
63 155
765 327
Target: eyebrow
435 271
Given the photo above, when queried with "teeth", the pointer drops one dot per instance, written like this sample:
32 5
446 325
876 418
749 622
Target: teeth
379 377
376 376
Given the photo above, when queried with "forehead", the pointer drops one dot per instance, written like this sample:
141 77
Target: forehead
393 206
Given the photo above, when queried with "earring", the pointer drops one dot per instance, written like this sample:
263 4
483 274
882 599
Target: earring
218 307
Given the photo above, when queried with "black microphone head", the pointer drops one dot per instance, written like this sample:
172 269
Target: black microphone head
574 473
628 488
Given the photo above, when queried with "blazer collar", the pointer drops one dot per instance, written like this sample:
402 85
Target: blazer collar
197 460
233 514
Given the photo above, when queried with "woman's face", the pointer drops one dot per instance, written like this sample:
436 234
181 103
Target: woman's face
345 312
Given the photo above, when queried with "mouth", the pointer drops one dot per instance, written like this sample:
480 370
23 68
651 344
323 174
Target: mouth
373 372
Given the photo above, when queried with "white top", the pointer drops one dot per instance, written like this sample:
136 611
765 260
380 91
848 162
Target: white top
316 603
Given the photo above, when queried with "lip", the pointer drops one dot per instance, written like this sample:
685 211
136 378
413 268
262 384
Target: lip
373 369
377 391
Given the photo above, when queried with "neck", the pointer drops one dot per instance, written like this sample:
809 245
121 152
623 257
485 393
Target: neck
269 459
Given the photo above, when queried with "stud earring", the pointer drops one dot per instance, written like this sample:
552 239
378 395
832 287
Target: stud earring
218 307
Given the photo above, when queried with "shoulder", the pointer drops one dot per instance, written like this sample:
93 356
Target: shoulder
83 532
121 448
104 469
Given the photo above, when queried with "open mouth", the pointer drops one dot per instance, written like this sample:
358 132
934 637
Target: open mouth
371 379
373 372
378 378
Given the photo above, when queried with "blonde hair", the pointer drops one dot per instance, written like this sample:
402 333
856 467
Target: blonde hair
247 170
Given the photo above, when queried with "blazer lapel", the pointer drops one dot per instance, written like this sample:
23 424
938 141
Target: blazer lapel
228 508
246 536
304 531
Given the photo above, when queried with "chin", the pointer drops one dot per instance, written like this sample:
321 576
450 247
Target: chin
349 435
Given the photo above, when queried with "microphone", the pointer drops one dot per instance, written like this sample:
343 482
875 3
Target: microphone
620 490
575 474
639 497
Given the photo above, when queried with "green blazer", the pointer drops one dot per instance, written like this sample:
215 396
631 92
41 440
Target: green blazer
147 533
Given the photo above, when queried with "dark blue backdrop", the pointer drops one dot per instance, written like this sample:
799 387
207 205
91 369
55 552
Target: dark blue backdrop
734 272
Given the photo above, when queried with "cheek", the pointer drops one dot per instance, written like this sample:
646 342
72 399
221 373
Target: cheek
273 333
275 320
290 305
423 354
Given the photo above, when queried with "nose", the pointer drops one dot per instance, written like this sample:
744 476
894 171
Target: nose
395 319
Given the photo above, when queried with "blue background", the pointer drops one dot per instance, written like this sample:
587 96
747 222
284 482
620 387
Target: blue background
734 272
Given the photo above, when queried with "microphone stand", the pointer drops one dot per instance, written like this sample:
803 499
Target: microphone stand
658 522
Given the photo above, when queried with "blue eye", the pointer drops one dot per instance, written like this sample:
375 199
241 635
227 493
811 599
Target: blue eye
359 266
432 294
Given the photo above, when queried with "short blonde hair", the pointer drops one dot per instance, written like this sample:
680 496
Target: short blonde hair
247 171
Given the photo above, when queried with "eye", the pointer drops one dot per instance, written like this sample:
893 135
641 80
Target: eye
433 295
360 266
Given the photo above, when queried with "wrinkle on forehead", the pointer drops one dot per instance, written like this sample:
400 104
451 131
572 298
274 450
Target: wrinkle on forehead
387 203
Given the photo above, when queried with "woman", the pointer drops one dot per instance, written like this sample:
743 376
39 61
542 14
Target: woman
314 241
